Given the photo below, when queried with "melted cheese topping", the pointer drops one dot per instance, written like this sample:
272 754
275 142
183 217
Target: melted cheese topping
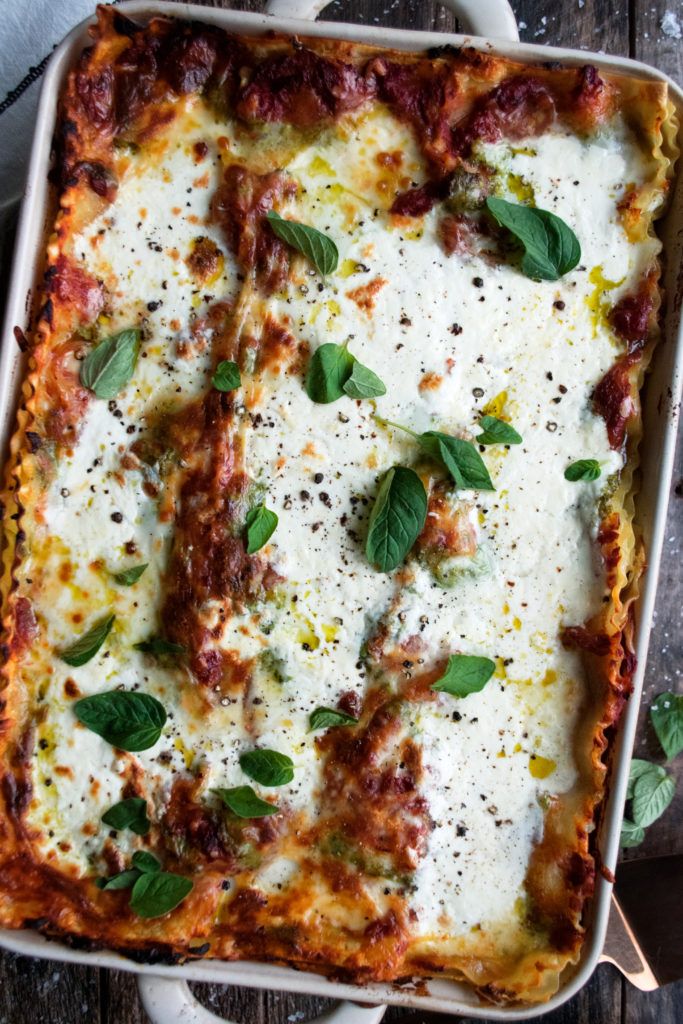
453 338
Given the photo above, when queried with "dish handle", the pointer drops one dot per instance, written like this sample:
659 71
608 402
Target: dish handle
493 19
170 1001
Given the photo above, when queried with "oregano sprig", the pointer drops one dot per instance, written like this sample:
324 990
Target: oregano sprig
109 366
583 469
317 247
245 803
267 767
460 457
495 431
127 719
551 249
261 524
397 518
86 647
465 674
327 718
333 372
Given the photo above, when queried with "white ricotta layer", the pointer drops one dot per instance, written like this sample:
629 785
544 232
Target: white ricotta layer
448 348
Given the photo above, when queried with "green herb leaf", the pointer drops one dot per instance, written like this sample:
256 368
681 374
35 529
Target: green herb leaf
261 524
243 801
110 365
127 577
652 794
124 880
465 674
584 469
495 431
397 518
326 718
551 248
363 383
333 372
461 459
330 368
666 714
631 834
267 767
157 646
87 646
227 376
313 244
156 894
636 769
125 718
130 813
146 862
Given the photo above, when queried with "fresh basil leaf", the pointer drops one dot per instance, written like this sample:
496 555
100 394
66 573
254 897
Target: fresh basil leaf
313 244
397 518
637 768
631 834
127 577
584 469
124 880
125 718
130 813
326 718
666 714
146 862
652 794
461 459
363 383
157 646
330 368
261 524
551 248
465 674
267 767
227 376
156 894
243 801
87 646
495 431
110 365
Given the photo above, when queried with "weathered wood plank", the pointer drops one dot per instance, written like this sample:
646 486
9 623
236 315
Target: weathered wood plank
46 992
594 25
657 34
665 1006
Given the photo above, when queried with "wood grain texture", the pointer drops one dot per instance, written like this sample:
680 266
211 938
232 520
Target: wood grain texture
43 992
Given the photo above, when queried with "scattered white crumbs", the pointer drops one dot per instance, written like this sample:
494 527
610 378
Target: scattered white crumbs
671 26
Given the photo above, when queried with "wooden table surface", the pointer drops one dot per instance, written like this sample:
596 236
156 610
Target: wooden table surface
47 992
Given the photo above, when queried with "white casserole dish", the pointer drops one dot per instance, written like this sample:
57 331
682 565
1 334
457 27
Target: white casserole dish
163 988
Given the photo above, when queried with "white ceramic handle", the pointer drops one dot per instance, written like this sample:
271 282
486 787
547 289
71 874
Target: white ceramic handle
167 1001
493 19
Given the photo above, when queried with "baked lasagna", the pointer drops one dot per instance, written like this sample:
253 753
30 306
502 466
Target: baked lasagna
319 558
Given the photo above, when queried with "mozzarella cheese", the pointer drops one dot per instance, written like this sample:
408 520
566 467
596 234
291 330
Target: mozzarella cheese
453 337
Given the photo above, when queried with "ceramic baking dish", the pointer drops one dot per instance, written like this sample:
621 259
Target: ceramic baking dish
164 989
